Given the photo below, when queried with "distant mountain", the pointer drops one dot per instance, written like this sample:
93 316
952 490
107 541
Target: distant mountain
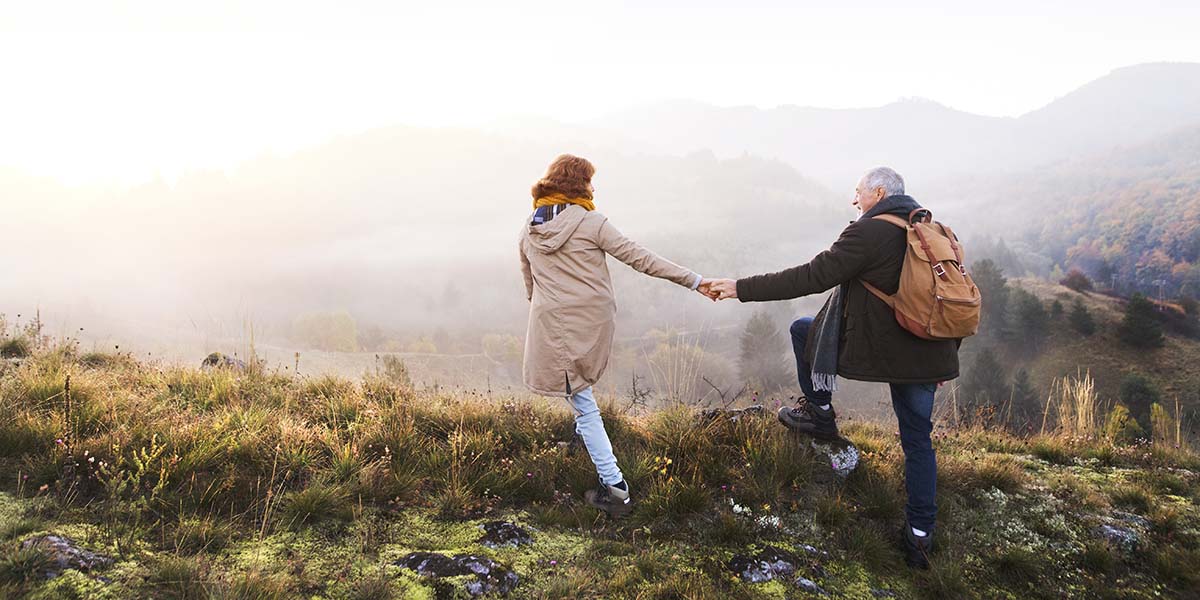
1130 213
922 139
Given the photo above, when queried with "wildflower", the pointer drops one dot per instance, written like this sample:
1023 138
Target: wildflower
91 459
554 563
529 475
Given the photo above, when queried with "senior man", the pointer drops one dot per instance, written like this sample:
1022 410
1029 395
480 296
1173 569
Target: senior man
856 335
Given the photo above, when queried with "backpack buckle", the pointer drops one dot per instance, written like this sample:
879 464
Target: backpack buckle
939 270
963 270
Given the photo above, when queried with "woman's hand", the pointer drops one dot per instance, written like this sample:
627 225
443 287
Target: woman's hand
718 289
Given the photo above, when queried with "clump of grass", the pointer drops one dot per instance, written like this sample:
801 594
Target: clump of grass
872 544
319 502
202 535
19 566
1132 497
832 511
672 503
107 360
877 492
1098 557
1051 450
179 578
966 474
1018 566
19 527
1165 521
18 347
374 587
252 585
727 529
1178 565
944 579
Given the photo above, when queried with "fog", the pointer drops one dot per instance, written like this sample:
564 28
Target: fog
325 235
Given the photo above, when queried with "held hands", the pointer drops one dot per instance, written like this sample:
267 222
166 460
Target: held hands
718 289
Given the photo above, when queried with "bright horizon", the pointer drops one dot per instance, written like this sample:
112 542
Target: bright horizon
134 89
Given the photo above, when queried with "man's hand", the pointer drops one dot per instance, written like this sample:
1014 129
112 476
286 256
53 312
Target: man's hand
705 288
719 289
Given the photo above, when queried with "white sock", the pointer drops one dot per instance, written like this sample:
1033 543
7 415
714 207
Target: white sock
918 532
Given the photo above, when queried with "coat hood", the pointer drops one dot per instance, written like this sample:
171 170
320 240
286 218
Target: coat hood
548 237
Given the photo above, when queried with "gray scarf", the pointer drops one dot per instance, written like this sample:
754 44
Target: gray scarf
827 336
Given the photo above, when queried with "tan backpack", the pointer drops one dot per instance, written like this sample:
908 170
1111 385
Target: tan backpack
937 299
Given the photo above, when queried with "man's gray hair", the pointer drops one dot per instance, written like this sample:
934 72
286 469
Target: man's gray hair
883 177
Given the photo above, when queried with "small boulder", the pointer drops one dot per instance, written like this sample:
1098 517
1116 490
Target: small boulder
768 564
882 593
810 586
216 360
502 534
489 577
842 454
62 553
1120 537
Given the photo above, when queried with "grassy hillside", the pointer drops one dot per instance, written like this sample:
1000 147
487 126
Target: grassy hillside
1171 367
254 484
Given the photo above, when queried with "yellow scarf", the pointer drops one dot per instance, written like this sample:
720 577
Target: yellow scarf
553 199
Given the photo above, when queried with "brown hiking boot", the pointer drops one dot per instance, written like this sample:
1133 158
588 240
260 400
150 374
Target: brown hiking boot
809 419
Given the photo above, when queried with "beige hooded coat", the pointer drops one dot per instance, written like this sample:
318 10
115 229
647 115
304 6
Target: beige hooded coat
572 311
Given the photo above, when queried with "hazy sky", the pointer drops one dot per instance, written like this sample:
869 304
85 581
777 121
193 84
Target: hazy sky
121 90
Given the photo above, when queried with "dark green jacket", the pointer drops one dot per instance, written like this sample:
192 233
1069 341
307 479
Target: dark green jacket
873 346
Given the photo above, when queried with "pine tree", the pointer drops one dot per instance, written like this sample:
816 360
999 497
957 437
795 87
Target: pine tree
1140 327
1027 321
1025 401
1081 319
986 383
1139 394
1056 310
989 278
763 354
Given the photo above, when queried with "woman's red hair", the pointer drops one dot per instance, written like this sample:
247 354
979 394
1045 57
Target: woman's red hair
568 175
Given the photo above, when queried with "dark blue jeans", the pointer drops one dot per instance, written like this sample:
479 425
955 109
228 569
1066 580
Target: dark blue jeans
913 404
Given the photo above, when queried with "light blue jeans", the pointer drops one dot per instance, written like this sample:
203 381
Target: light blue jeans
590 427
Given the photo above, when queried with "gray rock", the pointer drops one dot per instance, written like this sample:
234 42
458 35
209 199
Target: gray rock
216 360
1120 537
1132 519
489 577
772 563
882 593
842 454
62 553
502 534
809 586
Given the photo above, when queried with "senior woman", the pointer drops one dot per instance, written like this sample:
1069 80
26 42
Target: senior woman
572 311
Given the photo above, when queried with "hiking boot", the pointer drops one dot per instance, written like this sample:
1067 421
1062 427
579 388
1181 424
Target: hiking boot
810 419
917 548
612 499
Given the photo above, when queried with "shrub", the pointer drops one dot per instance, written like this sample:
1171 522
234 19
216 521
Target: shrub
1081 319
15 348
1139 394
1141 326
1121 427
1077 281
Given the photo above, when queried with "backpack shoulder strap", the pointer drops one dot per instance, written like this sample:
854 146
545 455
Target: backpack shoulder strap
894 220
889 300
902 224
